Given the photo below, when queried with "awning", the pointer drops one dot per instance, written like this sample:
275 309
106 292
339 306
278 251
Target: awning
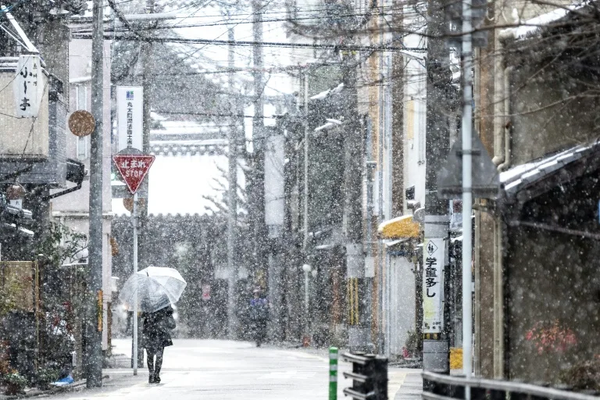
398 228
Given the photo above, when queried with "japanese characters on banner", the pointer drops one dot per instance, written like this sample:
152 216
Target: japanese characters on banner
433 285
130 115
28 86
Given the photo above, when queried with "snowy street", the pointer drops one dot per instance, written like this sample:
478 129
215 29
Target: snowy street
218 369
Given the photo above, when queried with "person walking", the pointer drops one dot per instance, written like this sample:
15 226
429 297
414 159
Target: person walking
259 314
156 336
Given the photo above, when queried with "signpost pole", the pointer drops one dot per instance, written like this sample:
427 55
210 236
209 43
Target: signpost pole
134 168
466 125
93 330
135 300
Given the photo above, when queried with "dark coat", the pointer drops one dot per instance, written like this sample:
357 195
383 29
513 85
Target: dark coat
259 310
156 329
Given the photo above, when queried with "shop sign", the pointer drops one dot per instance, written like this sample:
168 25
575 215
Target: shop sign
433 285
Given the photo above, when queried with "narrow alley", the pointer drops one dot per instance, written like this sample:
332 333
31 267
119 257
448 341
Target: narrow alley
219 369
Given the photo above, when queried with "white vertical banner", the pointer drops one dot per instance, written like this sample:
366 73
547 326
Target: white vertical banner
274 182
130 116
433 285
28 86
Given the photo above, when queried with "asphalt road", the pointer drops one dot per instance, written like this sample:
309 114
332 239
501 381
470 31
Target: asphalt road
219 369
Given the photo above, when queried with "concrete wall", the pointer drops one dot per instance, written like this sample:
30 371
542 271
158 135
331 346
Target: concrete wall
80 64
401 306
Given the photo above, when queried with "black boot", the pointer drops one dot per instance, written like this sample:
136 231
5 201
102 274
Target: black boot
158 366
151 374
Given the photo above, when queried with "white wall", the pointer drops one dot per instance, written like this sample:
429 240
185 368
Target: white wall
414 116
400 308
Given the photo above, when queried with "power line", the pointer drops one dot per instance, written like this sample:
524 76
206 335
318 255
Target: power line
189 55
209 42
201 114
237 22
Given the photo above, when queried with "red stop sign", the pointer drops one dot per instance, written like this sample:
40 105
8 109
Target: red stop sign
133 169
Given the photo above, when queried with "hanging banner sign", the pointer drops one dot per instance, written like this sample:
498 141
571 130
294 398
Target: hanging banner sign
28 86
433 285
274 181
130 116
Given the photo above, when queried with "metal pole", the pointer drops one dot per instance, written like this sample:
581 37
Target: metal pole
93 351
439 106
147 84
135 296
358 328
306 304
467 193
333 375
306 133
232 198
381 276
141 214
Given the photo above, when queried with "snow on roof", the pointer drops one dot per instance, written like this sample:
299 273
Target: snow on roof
183 127
325 93
178 184
533 26
519 176
328 125
157 117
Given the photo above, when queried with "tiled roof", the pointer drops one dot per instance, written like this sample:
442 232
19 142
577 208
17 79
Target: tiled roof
521 176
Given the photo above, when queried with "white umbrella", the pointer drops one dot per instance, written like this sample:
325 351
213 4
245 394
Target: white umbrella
156 288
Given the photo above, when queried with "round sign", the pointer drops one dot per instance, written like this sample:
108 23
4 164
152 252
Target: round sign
15 192
81 123
128 203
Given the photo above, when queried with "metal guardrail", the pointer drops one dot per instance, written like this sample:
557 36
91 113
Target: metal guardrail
445 387
369 376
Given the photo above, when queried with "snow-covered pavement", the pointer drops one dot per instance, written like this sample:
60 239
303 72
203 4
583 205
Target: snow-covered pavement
219 369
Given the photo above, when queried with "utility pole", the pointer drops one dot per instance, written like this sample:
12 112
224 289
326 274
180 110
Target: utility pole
358 329
142 206
435 342
467 249
146 51
258 140
232 194
93 326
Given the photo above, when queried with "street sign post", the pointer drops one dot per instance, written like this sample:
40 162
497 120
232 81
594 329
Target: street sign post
134 168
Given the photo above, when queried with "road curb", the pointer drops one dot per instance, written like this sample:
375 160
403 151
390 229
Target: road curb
34 392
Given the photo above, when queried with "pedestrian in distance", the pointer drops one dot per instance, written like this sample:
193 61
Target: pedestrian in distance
259 314
156 335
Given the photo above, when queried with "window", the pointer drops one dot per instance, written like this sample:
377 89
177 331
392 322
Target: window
81 93
83 148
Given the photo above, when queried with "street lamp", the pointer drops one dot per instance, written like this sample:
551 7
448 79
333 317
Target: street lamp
306 268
